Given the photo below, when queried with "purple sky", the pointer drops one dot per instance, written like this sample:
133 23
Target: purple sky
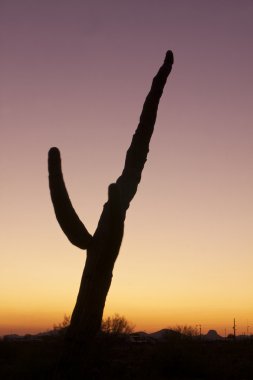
74 74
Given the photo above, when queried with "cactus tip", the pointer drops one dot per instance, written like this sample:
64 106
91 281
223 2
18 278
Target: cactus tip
54 153
169 58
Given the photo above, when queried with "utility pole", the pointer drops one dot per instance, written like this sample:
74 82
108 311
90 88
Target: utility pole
248 329
234 328
200 330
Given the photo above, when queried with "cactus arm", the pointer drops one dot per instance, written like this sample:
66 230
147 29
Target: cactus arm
111 224
137 153
64 211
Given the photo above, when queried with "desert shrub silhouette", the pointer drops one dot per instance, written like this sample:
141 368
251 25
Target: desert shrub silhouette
117 324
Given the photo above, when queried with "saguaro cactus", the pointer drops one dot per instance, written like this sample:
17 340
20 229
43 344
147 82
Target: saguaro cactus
103 247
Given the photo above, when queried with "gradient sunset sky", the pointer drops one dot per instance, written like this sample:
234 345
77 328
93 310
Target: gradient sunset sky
74 74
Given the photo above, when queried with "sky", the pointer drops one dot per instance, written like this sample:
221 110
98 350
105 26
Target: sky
74 74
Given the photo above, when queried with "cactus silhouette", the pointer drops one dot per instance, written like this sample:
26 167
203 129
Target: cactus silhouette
103 247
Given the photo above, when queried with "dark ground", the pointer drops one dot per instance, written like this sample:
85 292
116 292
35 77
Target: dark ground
115 358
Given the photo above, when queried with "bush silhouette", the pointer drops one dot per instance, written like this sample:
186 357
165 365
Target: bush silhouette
116 325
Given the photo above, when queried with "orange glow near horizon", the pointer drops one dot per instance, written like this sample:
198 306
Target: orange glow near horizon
142 320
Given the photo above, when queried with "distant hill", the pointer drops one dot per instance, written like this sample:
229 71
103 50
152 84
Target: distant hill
212 335
164 334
